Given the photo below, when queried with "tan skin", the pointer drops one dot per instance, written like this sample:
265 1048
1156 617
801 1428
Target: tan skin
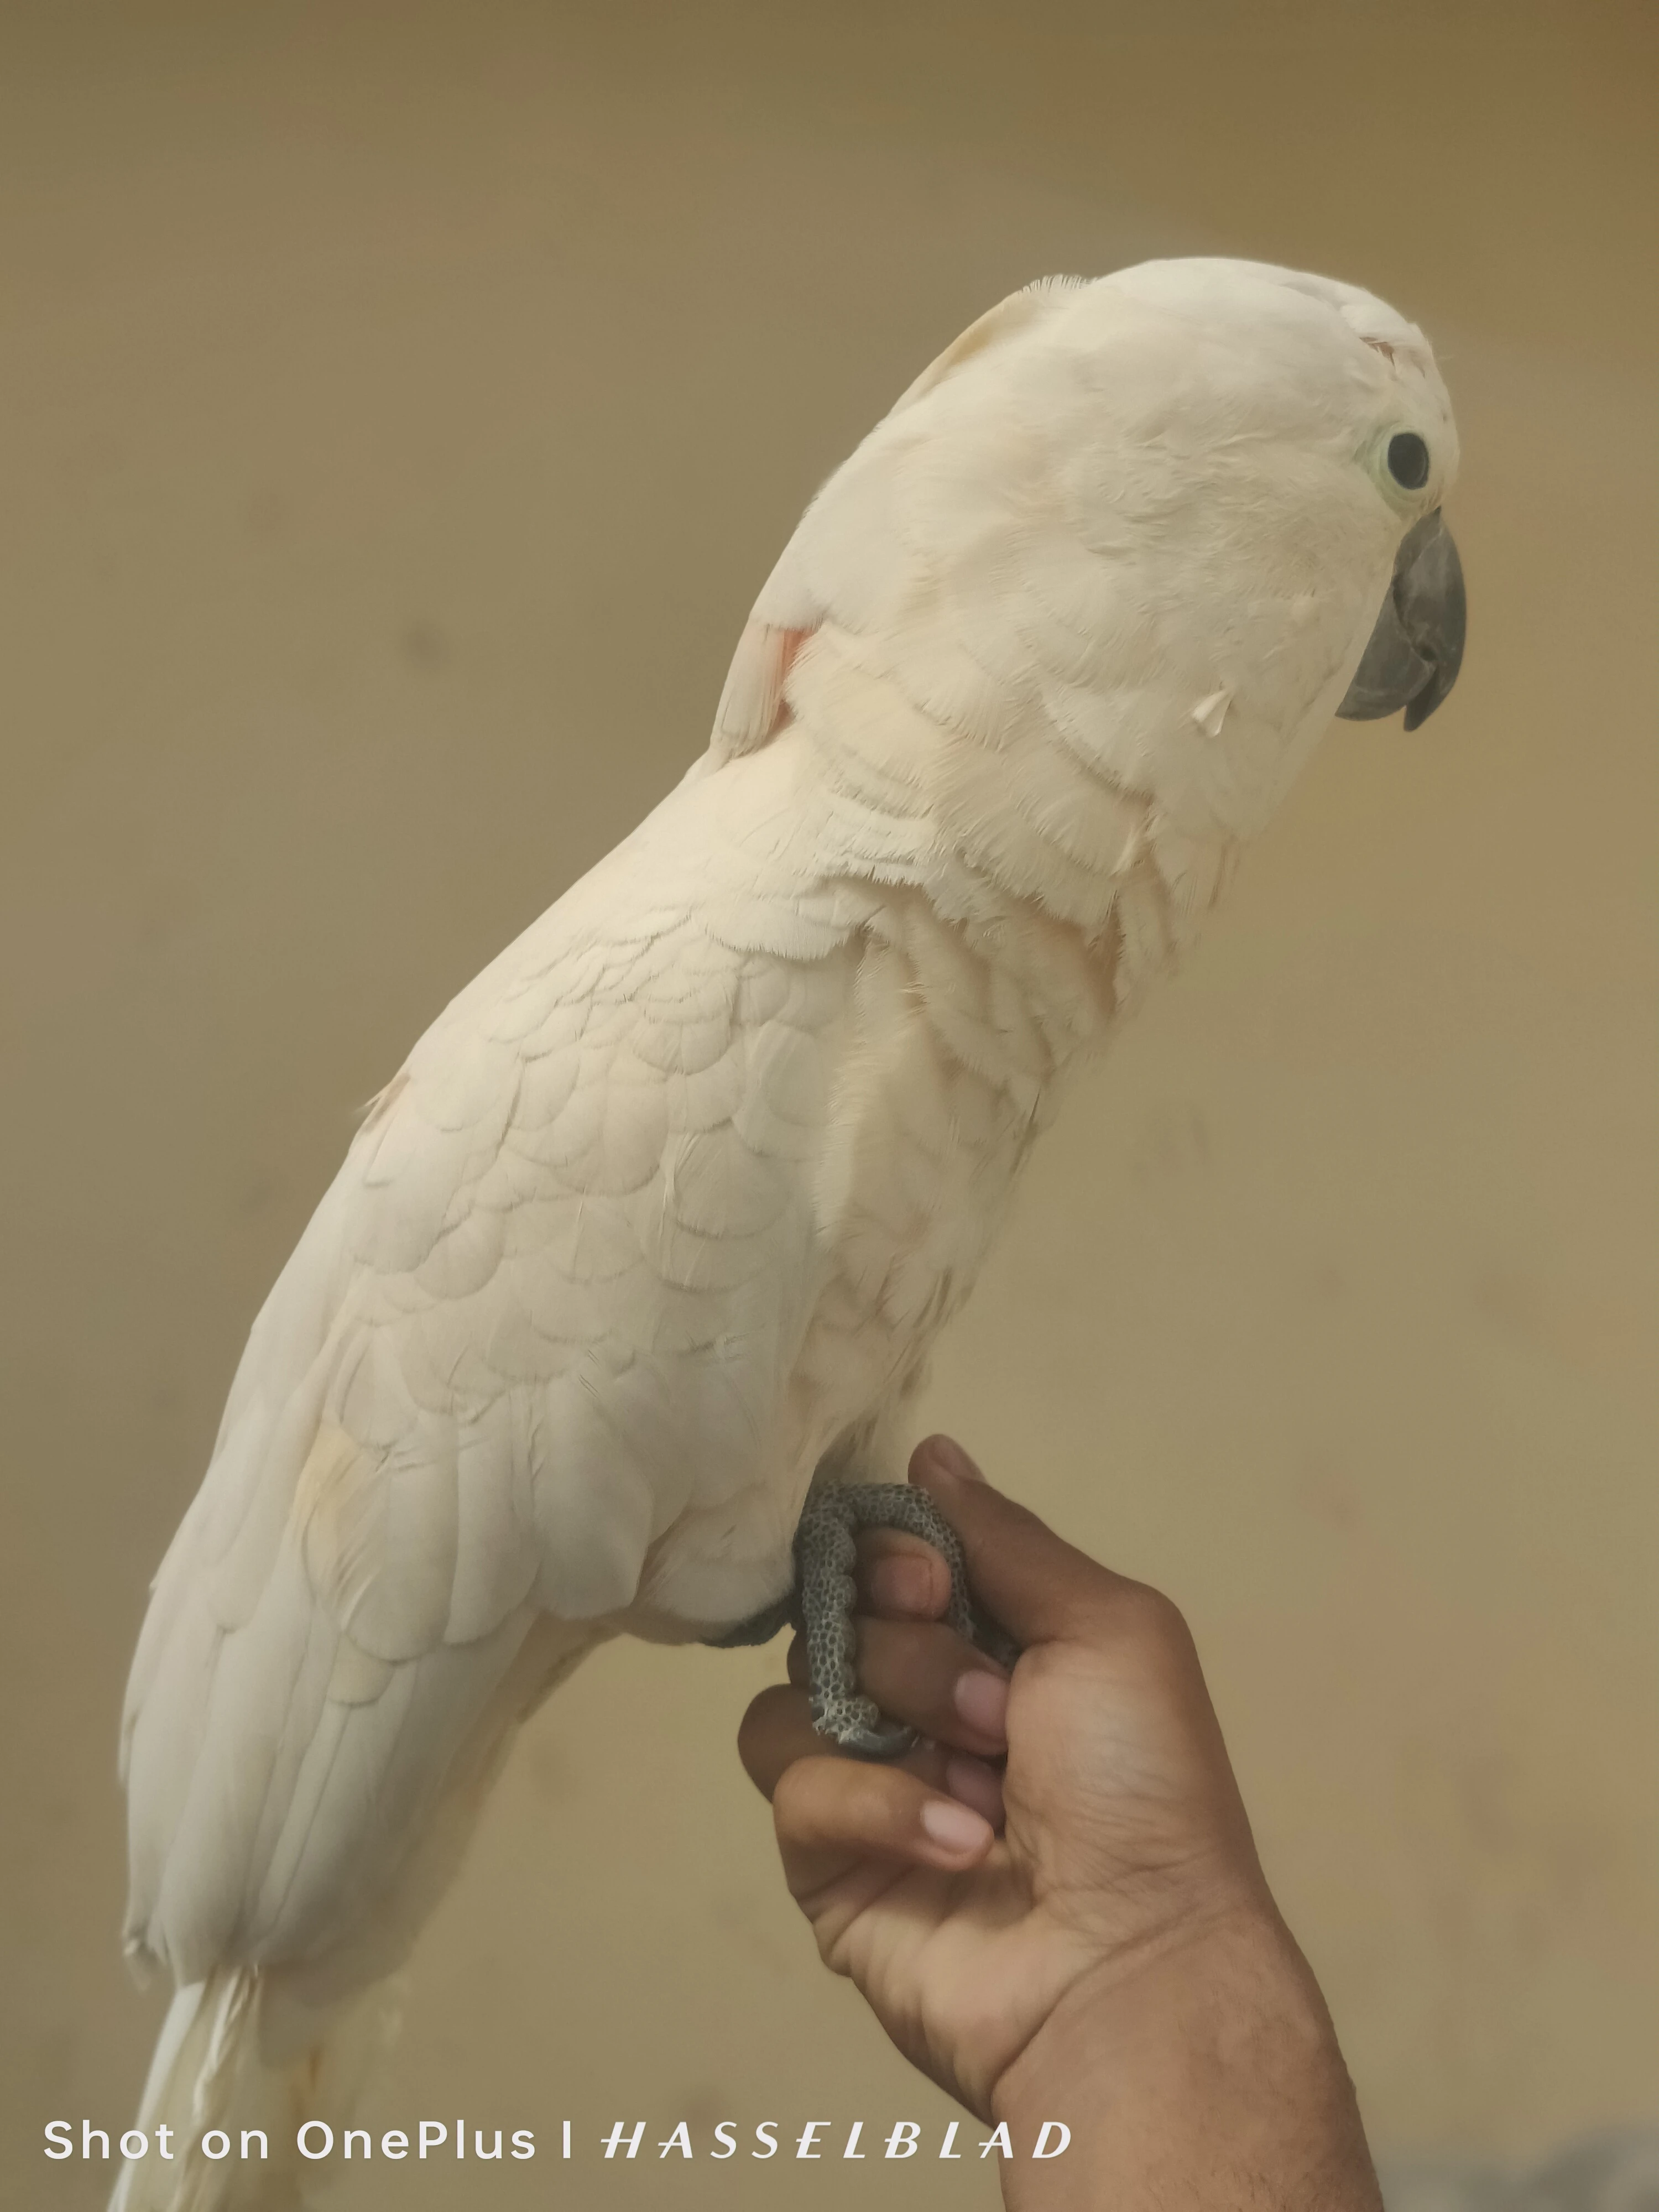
1085 1933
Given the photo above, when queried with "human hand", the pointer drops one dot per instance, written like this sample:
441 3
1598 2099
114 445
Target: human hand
1096 1905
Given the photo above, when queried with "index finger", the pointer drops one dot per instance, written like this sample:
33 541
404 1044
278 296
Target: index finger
900 1577
1039 1586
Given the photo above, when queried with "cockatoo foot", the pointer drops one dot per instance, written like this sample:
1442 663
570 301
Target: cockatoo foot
824 1597
821 1607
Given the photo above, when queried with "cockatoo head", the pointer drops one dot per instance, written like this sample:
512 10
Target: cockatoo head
1152 517
1279 371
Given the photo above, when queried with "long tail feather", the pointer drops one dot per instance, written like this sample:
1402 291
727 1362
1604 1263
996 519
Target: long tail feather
219 2066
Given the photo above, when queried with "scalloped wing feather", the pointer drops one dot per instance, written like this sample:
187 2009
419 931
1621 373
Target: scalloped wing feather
549 1303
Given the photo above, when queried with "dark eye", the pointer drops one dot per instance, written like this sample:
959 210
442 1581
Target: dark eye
1408 460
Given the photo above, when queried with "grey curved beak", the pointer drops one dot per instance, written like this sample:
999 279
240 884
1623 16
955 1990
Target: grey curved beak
1417 648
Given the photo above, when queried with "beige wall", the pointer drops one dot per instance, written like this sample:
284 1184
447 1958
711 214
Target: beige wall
399 412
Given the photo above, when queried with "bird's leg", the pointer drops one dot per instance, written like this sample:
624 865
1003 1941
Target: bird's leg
824 1597
821 1606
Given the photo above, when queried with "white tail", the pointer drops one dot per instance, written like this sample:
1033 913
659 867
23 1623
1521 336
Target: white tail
229 2059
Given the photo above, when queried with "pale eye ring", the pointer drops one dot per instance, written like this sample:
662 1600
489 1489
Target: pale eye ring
1408 460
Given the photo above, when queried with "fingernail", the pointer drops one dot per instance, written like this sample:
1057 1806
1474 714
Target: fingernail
981 1698
902 1585
953 1827
945 1454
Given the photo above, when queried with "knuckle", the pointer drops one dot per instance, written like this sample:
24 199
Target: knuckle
792 1804
1156 1620
762 1723
866 1803
750 1739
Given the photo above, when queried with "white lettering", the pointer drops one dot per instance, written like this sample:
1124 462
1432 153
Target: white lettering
433 2132
679 2141
808 2137
265 2148
394 2143
304 2148
766 2131
998 2141
901 2143
223 2151
54 2149
726 2136
524 2142
361 2134
134 2135
852 2149
478 2150
1058 2127
944 2149
615 2137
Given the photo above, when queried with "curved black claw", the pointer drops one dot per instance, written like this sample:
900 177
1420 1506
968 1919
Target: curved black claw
824 1555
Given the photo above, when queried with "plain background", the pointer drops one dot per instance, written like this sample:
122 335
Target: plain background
401 408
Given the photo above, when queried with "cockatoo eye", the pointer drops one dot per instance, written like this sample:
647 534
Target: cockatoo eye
1408 460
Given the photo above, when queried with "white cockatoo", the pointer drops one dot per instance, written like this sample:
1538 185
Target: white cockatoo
657 1224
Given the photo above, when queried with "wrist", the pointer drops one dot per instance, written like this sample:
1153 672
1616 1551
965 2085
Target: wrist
1205 2072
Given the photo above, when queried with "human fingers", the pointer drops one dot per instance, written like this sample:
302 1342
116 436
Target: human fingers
831 1814
923 1673
1115 1700
899 1577
1040 1587
776 1731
